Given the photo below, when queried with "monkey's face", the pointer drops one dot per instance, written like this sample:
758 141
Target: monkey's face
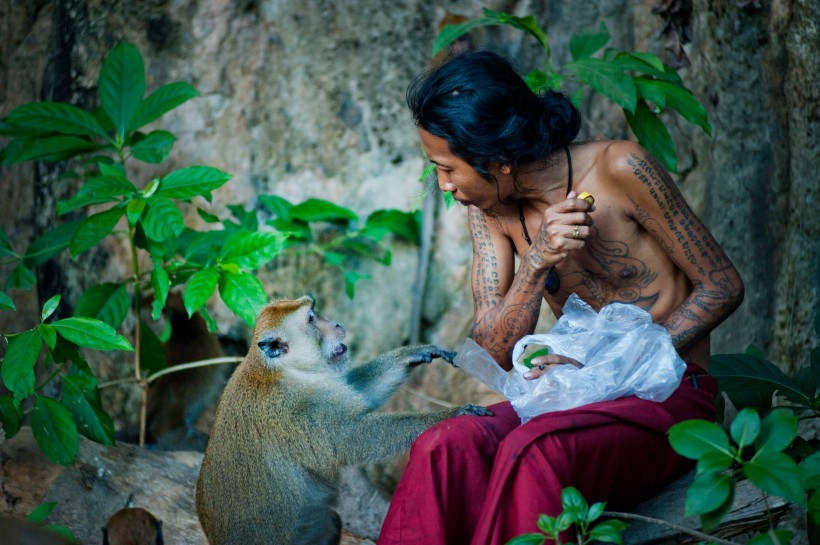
291 335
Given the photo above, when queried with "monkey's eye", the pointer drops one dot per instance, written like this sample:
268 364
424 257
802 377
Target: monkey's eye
311 316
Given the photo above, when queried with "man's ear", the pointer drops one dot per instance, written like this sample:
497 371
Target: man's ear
273 347
505 168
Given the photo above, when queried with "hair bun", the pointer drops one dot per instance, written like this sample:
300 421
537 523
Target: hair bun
560 117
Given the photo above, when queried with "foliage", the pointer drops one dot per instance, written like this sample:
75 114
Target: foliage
636 81
219 259
41 513
577 514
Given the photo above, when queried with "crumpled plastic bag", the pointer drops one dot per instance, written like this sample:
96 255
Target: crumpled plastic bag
622 351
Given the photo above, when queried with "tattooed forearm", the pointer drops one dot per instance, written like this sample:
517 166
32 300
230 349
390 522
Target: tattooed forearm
485 287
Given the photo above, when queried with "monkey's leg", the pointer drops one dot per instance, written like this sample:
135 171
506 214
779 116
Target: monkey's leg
378 379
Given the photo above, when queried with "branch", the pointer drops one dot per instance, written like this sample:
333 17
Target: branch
172 369
678 527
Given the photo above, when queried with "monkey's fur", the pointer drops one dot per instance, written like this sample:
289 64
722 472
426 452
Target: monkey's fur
292 415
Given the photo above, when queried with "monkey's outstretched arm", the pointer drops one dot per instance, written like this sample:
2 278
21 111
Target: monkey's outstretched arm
378 379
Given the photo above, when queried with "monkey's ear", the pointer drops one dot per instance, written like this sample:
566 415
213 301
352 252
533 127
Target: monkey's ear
273 348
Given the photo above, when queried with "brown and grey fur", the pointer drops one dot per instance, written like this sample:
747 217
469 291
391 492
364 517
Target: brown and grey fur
292 415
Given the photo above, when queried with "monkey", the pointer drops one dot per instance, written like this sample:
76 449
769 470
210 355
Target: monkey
132 526
294 413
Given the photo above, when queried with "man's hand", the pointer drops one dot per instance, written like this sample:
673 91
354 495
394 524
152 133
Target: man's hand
542 364
566 226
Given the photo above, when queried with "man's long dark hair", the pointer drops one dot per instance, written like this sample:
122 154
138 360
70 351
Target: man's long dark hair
484 109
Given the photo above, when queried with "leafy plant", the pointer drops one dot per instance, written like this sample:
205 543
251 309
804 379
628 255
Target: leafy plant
636 81
577 514
41 513
150 216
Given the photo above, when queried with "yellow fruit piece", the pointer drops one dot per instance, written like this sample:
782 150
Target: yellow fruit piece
587 197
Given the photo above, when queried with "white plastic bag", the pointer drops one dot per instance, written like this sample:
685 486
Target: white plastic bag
622 350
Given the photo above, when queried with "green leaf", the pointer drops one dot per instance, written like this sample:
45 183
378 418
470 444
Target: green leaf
451 33
745 427
62 531
94 229
696 438
584 45
50 244
528 24
537 81
199 289
595 511
608 531
6 303
547 524
320 210
351 277
48 334
753 374
776 474
5 245
11 415
653 135
213 327
406 225
527 539
644 63
161 283
714 461
54 430
154 147
772 537
571 499
207 217
777 431
162 101
18 365
41 512
134 210
252 250
66 351
189 182
112 183
712 519
91 333
55 117
649 91
50 149
152 352
810 471
814 506
244 294
49 307
108 302
21 278
162 220
277 205
684 102
202 246
707 493
82 398
247 218
122 86
607 79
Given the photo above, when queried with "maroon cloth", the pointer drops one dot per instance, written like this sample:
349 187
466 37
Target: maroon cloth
485 480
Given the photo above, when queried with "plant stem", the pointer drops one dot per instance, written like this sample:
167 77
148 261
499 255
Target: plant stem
678 527
135 269
172 369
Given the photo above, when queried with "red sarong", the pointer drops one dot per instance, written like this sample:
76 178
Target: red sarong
484 480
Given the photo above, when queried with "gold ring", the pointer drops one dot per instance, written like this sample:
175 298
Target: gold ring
576 231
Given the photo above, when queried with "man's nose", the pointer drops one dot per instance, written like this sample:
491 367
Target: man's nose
444 183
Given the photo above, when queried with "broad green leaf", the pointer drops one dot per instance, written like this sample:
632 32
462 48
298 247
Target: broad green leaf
91 333
154 147
636 62
583 46
547 524
707 493
54 430
814 506
252 250
571 498
50 244
607 79
189 182
66 351
122 86
776 474
162 220
134 210
21 278
608 531
5 245
696 438
247 218
62 531
49 149
11 415
244 294
82 398
647 90
93 229
711 520
650 59
321 210
18 365
772 537
565 519
199 289
653 135
161 283
6 303
202 246
277 205
152 352
451 33
538 81
351 277
527 539
49 307
207 217
108 302
213 327
684 102
334 258
48 334
810 471
595 511
107 186
714 461
51 117
41 512
406 225
777 431
745 427
162 101
83 201
528 24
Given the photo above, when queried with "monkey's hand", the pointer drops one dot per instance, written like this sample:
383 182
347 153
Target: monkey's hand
426 353
473 410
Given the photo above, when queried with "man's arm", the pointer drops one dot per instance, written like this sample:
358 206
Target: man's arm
659 206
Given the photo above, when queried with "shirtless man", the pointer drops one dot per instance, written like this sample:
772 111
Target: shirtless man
508 155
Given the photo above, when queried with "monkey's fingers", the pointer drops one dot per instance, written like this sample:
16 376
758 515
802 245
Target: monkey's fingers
448 356
473 410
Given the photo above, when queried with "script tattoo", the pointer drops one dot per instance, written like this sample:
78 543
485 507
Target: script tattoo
680 233
485 289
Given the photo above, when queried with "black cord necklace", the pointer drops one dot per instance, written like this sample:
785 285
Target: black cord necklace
552 284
